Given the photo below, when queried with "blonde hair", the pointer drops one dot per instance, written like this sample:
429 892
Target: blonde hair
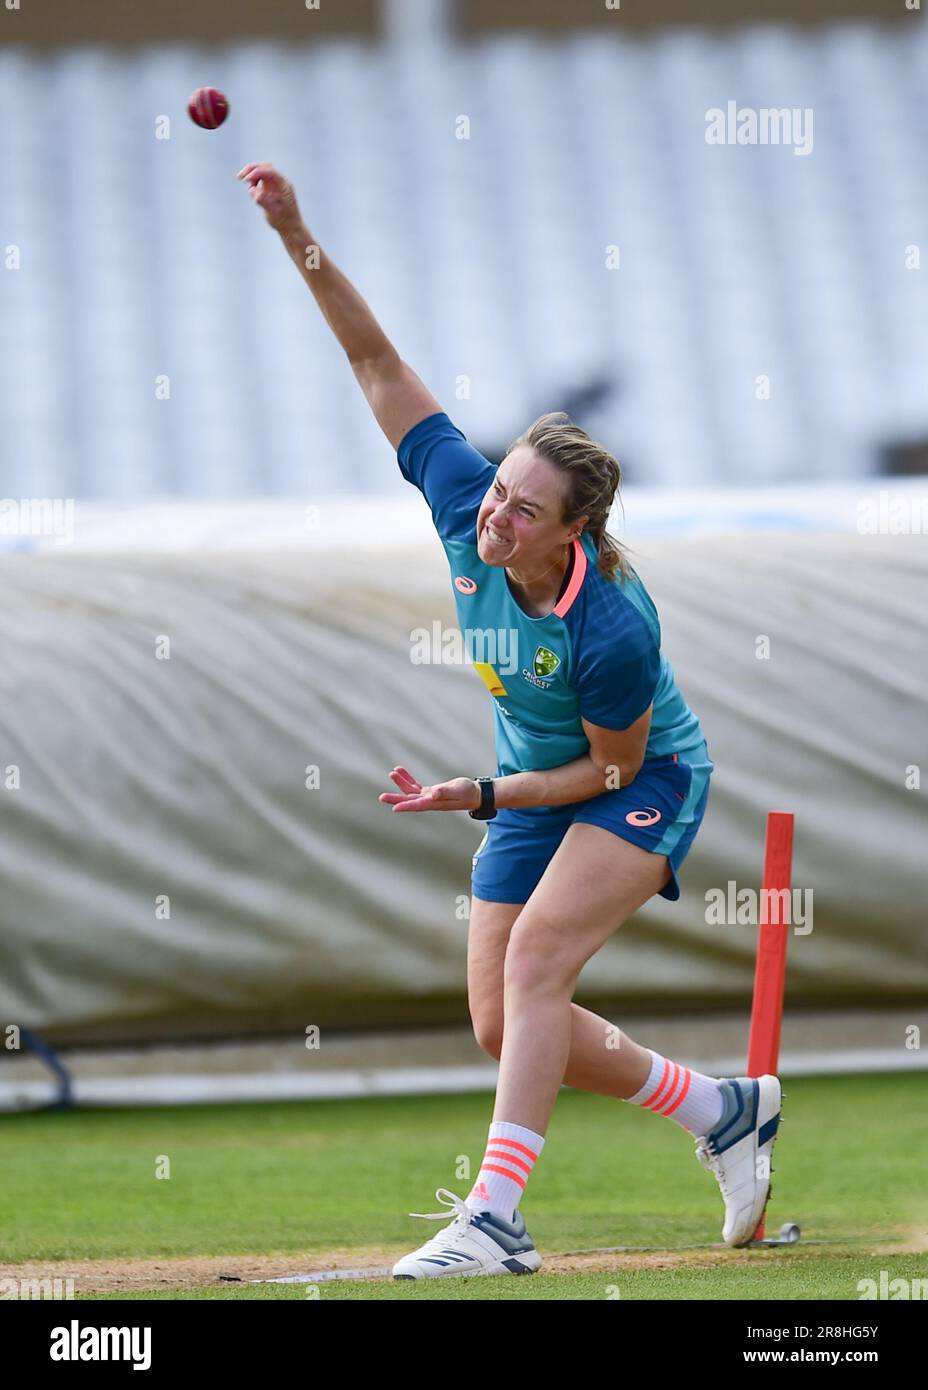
593 481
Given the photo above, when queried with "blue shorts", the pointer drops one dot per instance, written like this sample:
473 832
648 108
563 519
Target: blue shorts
661 810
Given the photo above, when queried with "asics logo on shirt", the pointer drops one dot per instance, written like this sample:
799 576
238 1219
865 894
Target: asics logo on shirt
465 585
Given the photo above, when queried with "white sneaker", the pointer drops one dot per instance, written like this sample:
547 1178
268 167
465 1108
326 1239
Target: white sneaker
474 1243
738 1152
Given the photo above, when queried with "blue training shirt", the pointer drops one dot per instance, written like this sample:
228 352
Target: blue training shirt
596 655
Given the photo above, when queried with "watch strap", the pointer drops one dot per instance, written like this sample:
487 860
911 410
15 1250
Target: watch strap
487 808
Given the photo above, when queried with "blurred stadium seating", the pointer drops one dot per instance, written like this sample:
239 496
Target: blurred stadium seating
483 257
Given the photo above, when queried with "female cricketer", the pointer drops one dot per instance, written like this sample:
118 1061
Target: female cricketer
601 783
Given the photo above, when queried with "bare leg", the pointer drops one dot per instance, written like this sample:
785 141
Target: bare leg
602 1058
594 882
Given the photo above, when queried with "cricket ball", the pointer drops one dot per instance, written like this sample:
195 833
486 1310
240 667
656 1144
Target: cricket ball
208 107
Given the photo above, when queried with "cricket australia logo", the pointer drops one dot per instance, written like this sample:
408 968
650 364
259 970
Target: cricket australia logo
544 664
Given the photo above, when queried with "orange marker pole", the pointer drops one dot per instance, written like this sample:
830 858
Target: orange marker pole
770 969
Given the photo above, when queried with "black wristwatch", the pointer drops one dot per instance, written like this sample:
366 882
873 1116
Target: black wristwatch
487 808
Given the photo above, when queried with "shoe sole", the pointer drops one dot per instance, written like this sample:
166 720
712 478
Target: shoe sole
769 1105
526 1262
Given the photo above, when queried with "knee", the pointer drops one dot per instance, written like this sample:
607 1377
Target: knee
488 1030
534 964
529 969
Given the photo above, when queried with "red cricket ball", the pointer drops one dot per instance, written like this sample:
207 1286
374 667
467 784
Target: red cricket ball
208 107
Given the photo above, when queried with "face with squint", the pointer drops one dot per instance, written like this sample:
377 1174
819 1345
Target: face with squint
520 522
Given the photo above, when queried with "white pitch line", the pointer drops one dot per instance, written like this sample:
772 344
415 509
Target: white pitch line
327 1275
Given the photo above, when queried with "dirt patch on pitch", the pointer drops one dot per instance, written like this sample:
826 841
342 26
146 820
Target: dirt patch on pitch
127 1276
605 1263
911 1242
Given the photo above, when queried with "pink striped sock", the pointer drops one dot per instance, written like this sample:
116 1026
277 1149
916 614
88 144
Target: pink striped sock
693 1100
507 1164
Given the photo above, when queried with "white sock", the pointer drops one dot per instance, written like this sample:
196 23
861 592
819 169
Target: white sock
507 1164
693 1100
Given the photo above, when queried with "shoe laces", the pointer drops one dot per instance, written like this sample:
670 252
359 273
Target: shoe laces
710 1159
452 1202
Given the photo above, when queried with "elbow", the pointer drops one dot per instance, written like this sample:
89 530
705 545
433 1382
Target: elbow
375 362
615 775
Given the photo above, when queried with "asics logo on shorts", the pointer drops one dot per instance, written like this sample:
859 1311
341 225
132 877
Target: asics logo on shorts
649 816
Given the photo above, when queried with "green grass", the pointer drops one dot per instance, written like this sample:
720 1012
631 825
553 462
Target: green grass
261 1179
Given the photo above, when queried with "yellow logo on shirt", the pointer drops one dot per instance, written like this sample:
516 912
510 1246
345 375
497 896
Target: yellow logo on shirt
489 677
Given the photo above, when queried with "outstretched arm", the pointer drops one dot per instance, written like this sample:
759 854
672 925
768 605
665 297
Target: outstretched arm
395 394
576 781
614 760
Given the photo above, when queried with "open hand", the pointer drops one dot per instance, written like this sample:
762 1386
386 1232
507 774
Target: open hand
274 194
460 794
